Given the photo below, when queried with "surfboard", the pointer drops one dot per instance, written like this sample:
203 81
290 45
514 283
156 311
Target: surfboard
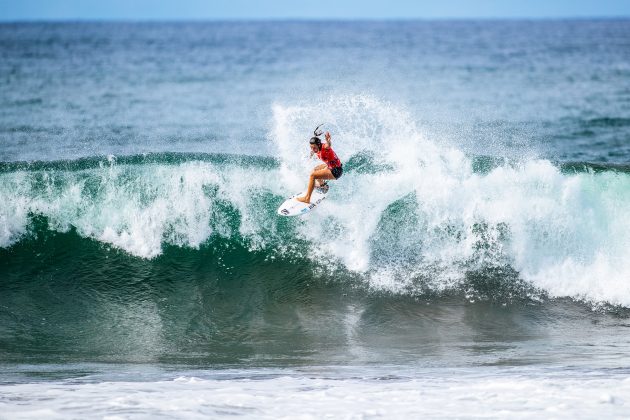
292 207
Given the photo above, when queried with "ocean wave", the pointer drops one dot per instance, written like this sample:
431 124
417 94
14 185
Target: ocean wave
408 216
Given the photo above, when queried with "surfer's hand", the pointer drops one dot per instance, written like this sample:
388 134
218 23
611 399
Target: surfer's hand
327 136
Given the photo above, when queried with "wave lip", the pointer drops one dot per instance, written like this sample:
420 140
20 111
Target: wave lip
135 208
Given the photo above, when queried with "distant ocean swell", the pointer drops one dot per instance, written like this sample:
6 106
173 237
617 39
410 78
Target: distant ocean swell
409 216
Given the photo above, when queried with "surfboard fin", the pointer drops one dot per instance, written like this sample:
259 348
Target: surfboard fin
323 188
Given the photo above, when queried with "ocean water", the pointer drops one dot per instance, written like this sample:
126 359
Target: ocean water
471 262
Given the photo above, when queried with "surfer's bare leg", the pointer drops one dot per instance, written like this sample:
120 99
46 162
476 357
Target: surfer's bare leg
318 183
315 175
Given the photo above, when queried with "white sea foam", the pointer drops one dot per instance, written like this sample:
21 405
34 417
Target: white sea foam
410 208
484 392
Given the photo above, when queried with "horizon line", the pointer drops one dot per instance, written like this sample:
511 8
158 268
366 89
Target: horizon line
312 19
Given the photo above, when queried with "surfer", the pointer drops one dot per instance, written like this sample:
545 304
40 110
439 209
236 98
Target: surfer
330 169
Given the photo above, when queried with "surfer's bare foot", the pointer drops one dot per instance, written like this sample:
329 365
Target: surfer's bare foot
303 200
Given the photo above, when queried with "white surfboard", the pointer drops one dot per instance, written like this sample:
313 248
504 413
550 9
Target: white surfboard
292 207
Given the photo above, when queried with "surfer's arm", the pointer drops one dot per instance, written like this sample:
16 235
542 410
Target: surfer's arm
328 142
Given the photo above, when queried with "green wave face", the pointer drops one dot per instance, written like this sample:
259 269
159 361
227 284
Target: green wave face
182 258
401 229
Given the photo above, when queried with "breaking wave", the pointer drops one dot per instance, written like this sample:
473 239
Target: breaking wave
409 215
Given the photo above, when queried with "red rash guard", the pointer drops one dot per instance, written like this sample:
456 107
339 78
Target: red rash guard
328 155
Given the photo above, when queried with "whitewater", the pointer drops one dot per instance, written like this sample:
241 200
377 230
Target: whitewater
356 395
411 215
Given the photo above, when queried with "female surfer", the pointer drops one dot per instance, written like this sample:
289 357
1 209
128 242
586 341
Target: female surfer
330 169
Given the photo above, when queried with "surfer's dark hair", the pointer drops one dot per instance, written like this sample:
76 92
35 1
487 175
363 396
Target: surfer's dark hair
317 141
317 132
